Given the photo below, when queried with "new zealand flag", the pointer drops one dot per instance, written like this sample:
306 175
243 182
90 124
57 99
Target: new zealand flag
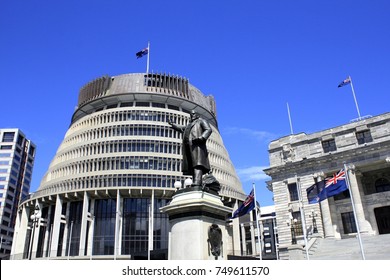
142 53
246 207
327 188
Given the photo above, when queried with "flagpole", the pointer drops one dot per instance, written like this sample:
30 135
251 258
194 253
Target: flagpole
354 97
147 61
302 215
258 225
289 118
354 211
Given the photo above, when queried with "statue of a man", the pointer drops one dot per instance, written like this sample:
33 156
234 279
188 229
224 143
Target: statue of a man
195 156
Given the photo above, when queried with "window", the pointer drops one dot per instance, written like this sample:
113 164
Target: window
158 105
8 136
173 107
343 195
20 140
31 152
349 224
142 104
329 146
126 104
382 185
6 147
297 223
363 137
293 191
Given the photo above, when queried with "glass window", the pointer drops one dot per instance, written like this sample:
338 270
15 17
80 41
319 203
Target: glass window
348 222
20 140
142 104
293 191
363 137
343 195
382 185
329 146
31 152
158 105
6 147
8 136
297 223
104 227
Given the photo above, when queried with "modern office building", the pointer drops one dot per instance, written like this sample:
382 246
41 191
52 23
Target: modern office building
119 162
17 155
299 161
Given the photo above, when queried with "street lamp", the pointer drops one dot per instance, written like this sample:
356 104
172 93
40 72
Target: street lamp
313 216
293 234
35 218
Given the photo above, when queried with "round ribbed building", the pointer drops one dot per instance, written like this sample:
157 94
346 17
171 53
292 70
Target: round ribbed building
119 162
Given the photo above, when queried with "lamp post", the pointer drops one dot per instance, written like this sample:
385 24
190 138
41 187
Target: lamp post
313 216
35 218
293 234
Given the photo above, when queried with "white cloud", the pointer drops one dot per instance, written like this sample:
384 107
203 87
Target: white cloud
256 134
253 173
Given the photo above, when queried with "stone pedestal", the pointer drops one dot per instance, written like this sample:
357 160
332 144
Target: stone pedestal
197 226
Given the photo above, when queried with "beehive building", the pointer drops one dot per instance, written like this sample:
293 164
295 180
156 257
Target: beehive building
116 166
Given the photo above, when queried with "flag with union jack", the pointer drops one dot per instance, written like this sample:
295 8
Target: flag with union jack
327 188
142 52
246 207
345 82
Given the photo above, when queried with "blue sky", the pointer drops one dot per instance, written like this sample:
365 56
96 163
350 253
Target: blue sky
254 56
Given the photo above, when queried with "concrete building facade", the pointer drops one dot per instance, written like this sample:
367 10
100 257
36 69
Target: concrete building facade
298 161
17 154
118 164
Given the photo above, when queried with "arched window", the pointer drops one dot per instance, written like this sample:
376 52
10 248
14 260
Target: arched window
382 185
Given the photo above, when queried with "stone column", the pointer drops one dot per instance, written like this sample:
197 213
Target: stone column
68 225
325 213
357 193
36 227
21 229
236 233
56 227
84 221
91 229
118 228
49 229
243 240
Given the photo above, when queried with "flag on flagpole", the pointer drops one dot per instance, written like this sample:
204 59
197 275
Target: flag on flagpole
327 188
347 81
314 190
246 207
142 52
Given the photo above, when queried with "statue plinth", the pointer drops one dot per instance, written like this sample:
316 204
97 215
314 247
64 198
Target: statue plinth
197 226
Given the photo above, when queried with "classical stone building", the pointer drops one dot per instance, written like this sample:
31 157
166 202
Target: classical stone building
298 161
118 164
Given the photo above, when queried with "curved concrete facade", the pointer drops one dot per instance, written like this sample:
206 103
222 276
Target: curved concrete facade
119 153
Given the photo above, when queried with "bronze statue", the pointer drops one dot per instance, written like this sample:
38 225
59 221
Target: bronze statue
195 156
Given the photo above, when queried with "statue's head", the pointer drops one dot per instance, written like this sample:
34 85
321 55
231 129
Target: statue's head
194 115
